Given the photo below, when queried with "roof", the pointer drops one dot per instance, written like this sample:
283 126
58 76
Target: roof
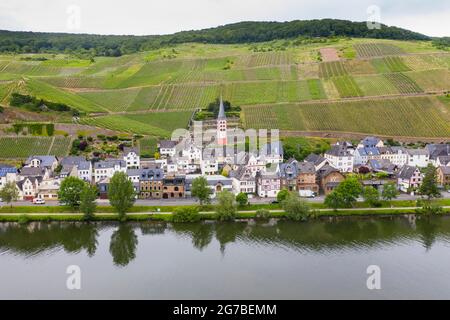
167 144
72 160
211 179
134 172
370 142
29 171
127 150
84 165
444 160
32 180
152 174
417 152
339 150
436 150
306 167
326 170
366 151
221 115
289 169
5 170
445 170
407 172
109 164
242 174
46 161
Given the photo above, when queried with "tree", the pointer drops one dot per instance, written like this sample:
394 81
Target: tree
121 194
282 195
201 190
9 192
389 191
242 199
429 186
70 191
226 208
334 200
350 189
371 196
87 201
186 214
123 245
296 208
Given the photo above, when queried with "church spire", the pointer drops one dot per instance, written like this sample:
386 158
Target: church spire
221 110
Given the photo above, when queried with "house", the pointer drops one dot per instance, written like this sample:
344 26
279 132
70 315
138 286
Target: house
167 148
442 161
255 164
103 188
48 189
341 156
29 187
209 166
77 167
437 150
243 180
363 155
418 158
396 155
84 171
306 177
7 174
317 160
288 174
383 166
268 184
216 183
329 178
33 172
47 162
409 178
132 158
370 142
151 183
272 152
106 169
443 176
192 152
134 175
173 187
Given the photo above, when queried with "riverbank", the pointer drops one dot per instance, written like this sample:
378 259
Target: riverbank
109 215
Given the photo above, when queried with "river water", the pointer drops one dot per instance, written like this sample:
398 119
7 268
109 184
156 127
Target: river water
325 259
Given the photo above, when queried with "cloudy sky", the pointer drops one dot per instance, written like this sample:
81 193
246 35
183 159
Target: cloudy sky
431 17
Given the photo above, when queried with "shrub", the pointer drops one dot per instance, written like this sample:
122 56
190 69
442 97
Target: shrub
296 208
186 214
242 199
262 214
226 208
282 195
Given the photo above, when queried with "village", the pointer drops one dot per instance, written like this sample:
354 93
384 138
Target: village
258 175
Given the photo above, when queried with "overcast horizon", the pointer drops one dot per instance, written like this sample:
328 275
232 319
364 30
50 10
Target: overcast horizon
170 16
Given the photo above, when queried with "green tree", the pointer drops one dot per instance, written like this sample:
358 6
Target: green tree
9 192
429 186
70 192
121 194
87 201
334 200
201 190
389 191
371 196
242 199
226 208
282 195
350 189
295 207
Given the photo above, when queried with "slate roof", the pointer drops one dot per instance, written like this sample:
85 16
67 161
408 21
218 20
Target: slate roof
84 165
152 174
4 170
32 180
72 160
370 142
368 151
326 170
306 167
417 152
109 164
407 172
445 170
339 150
167 144
436 150
242 174
127 150
46 161
221 115
31 172
289 170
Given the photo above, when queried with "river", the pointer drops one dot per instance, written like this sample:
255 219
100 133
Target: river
324 259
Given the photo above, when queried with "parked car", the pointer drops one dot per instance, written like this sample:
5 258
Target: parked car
307 194
38 201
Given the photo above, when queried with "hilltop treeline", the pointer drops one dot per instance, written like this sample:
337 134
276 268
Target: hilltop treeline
242 32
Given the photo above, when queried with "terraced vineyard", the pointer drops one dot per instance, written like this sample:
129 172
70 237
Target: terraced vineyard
22 147
153 92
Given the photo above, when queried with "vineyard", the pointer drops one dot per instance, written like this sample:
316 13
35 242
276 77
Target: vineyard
148 146
23 147
153 92
422 116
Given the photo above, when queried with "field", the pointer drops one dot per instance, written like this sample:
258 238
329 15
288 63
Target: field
153 92
22 147
148 146
421 116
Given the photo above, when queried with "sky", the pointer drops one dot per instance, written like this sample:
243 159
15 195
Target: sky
147 17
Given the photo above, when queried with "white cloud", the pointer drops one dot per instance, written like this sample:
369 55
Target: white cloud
167 16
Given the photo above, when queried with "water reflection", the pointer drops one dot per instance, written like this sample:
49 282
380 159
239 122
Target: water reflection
318 236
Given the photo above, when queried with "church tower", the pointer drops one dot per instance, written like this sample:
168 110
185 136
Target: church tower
222 125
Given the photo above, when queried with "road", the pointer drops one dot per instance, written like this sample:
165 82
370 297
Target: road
190 201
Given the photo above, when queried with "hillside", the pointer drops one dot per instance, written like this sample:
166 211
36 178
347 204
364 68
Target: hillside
237 33
324 86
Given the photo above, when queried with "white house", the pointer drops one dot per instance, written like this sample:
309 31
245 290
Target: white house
48 162
209 166
268 184
243 181
7 174
84 170
418 158
409 178
132 158
340 156
134 175
363 155
106 169
396 155
255 164
28 187
167 148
